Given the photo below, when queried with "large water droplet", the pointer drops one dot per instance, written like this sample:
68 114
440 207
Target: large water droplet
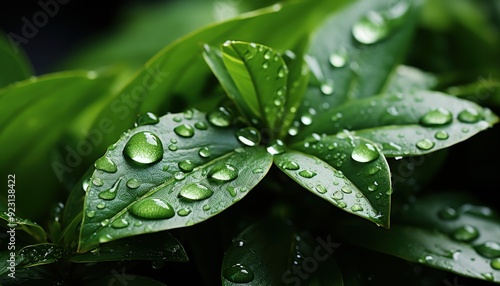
195 192
339 58
223 173
238 273
436 117
425 144
111 193
152 208
204 152
105 164
469 115
220 118
144 148
133 183
186 166
308 174
290 165
448 213
495 263
184 130
489 249
465 233
364 153
248 136
147 119
277 147
120 223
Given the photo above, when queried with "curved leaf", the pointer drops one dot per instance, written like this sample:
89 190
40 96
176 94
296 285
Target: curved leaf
199 170
35 232
444 231
35 255
14 66
406 79
273 253
347 171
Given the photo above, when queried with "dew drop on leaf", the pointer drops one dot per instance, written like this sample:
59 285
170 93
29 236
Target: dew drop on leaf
469 115
195 192
364 153
200 125
186 166
105 164
172 147
147 118
465 233
152 208
448 213
111 193
204 152
101 205
223 173
338 58
184 212
276 147
238 273
346 189
184 130
441 135
219 118
133 183
321 189
425 144
90 214
356 208
436 117
308 174
249 136
290 165
144 148
488 276
120 223
327 87
489 249
495 263
97 182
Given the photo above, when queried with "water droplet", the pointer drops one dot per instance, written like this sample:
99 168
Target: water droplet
488 276
321 189
133 183
356 208
179 176
282 71
341 204
219 118
346 189
364 153
138 223
184 130
144 148
425 144
223 173
257 171
489 249
206 207
373 187
101 205
97 182
147 119
448 213
373 170
177 119
90 214
204 152
172 147
495 263
173 140
248 136
105 164
465 130
339 58
186 166
105 222
307 174
441 135
265 65
238 273
436 117
277 147
184 212
152 208
195 192
111 193
105 238
268 54
465 233
250 52
232 191
290 165
469 115
338 195
120 223
327 87
306 119
201 125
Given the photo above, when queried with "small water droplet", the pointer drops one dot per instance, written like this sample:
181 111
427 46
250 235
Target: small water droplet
448 213
257 171
488 276
495 263
179 176
250 52
138 223
105 164
195 192
277 147
465 130
232 191
338 195
290 165
346 189
436 117
144 148
373 187
265 64
97 182
223 173
111 193
105 222
219 118
133 183
105 238
425 144
321 189
147 118
177 119
173 140
172 147
239 273
306 119
441 135
373 170
248 136
200 125
489 249
282 72
465 233
469 115
120 223
206 207
327 87
184 212
152 208
204 152
90 214
184 130
308 174
186 166
356 208
101 205
338 58
364 153
341 204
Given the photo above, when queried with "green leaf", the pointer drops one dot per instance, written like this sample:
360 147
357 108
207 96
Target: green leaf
179 69
15 66
447 231
9 221
273 253
34 255
157 247
406 79
349 172
178 172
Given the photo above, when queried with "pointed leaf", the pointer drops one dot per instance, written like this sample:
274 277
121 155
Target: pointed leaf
328 168
9 221
273 253
35 255
14 66
406 79
157 247
444 231
178 172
